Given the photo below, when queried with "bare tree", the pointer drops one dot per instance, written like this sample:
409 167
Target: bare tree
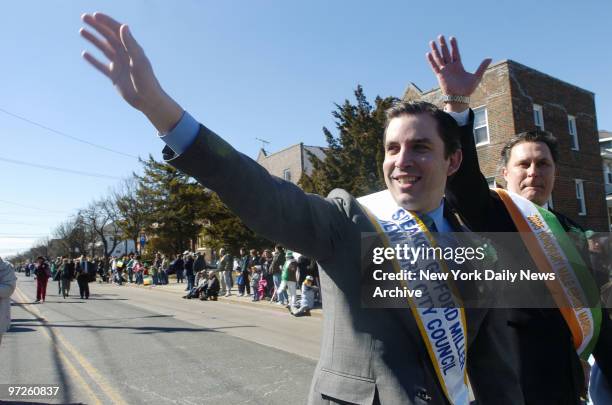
74 236
134 210
41 248
100 219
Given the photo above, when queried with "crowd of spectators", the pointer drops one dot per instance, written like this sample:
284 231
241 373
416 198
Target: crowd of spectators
275 275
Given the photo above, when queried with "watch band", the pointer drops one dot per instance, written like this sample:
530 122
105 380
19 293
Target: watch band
447 98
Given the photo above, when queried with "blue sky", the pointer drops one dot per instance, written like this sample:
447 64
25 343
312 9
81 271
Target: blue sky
247 69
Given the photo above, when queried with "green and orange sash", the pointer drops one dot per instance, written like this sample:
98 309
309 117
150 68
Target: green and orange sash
554 252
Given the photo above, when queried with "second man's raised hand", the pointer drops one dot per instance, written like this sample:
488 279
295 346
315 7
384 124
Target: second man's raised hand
452 77
130 70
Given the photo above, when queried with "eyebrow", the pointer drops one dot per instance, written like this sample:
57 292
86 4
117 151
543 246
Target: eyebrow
412 142
538 160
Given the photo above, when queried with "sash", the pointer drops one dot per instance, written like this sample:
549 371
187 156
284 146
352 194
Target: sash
438 313
554 252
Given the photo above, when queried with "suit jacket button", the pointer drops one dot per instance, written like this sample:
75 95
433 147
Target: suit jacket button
422 394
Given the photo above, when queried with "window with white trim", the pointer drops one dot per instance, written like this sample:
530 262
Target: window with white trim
571 126
538 116
580 196
481 126
607 174
287 174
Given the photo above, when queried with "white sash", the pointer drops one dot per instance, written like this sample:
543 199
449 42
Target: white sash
438 313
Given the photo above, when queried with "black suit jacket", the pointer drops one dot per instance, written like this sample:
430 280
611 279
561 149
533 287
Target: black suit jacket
549 366
368 355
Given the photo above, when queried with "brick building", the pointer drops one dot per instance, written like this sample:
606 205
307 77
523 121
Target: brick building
605 143
513 98
291 162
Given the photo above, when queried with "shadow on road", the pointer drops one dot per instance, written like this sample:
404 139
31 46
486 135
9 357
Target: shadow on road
19 325
17 329
36 402
146 330
59 365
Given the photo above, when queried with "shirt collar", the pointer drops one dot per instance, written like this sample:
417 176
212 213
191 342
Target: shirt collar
437 215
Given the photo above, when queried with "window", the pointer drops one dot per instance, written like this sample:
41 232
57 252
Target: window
287 174
491 182
571 123
580 197
538 116
607 174
481 128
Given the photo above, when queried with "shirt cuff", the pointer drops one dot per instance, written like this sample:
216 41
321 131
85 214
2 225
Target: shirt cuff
461 117
180 138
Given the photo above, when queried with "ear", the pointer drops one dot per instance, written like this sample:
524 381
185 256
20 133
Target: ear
505 174
455 160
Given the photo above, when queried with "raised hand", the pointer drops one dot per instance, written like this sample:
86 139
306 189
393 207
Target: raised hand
451 75
129 70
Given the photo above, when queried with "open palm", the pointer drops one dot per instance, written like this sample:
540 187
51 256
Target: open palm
129 68
452 76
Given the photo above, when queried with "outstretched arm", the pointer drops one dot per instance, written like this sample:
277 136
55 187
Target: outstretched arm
130 70
272 207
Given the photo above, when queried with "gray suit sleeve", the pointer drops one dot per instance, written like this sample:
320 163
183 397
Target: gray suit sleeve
270 206
8 282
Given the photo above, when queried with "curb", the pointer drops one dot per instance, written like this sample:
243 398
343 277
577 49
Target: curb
315 313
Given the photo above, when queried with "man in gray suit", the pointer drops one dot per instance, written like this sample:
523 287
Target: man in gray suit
368 355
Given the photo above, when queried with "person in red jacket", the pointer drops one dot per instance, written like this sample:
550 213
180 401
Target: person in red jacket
42 273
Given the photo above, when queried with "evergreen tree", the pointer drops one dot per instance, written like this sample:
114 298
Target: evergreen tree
353 159
175 201
226 230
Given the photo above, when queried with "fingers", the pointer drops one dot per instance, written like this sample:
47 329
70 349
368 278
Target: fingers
105 69
481 69
107 31
107 21
130 44
446 57
436 54
432 63
455 54
101 45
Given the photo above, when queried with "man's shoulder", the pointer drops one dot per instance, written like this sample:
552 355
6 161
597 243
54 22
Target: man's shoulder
345 202
340 195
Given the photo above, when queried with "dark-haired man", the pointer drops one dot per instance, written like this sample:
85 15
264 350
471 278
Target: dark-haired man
368 355
546 349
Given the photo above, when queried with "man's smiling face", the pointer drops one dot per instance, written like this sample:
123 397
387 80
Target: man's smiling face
415 166
530 171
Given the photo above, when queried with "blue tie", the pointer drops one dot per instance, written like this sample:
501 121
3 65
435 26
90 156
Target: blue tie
429 223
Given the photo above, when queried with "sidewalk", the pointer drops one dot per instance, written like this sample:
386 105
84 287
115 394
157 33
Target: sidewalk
179 290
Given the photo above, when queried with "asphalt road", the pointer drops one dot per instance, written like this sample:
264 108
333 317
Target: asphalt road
149 346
